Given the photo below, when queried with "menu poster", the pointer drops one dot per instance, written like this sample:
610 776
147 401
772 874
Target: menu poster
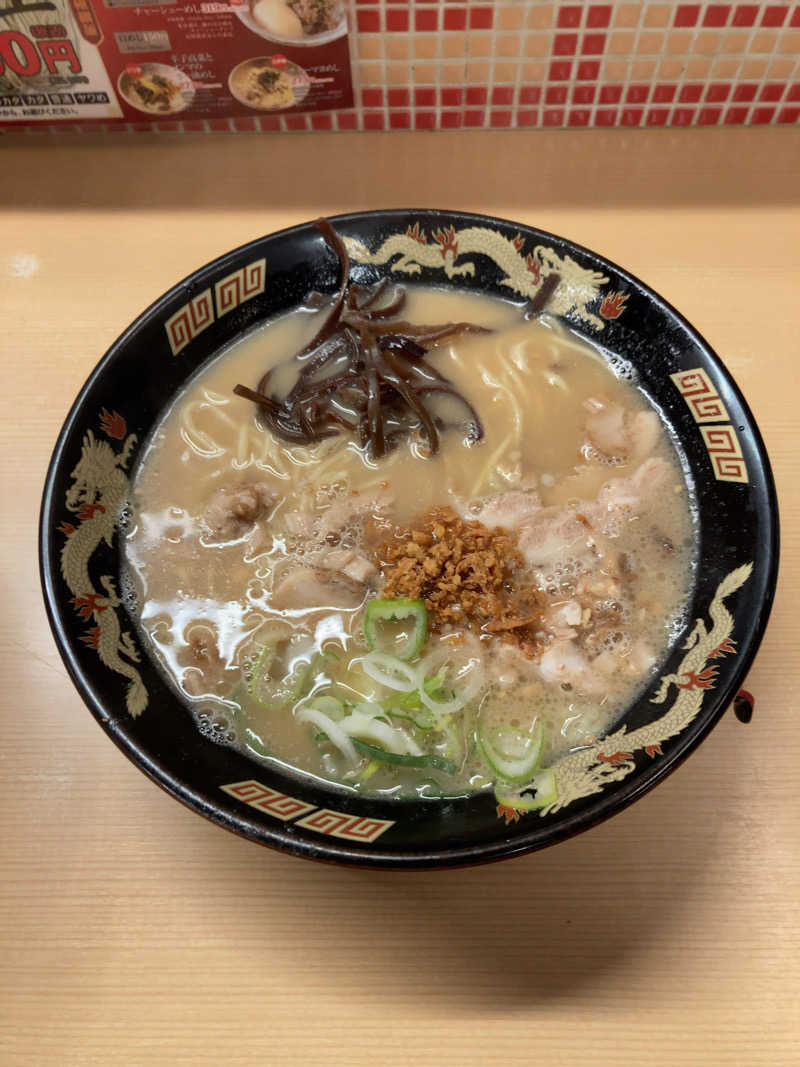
118 61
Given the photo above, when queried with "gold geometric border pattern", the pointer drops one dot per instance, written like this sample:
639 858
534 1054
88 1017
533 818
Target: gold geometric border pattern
706 406
278 805
240 286
320 820
725 453
701 397
349 827
231 291
189 321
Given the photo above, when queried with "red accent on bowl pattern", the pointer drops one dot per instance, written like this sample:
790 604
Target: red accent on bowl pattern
287 808
727 647
701 396
113 424
613 303
725 453
509 814
615 758
189 321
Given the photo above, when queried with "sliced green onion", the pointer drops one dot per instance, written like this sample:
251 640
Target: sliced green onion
463 687
400 704
455 741
371 768
545 791
336 735
512 754
259 668
255 743
236 694
362 724
329 706
277 694
421 720
392 672
379 612
423 760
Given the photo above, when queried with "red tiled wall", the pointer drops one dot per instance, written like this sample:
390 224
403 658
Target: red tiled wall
447 64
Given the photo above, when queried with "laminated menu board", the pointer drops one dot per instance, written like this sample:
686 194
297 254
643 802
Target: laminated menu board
123 62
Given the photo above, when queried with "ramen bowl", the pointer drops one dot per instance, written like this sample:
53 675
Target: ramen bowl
125 396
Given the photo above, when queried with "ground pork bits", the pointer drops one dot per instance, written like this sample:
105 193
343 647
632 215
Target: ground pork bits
467 574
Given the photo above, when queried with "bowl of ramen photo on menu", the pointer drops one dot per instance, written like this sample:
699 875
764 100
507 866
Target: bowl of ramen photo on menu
409 539
269 83
156 88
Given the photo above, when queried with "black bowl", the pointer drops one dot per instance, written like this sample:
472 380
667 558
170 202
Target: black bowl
124 397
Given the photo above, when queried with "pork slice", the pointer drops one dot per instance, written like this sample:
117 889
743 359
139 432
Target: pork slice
633 493
606 429
563 662
317 587
552 538
300 523
508 510
617 434
645 432
345 510
349 563
233 510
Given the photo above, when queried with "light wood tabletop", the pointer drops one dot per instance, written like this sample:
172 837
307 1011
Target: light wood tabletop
133 931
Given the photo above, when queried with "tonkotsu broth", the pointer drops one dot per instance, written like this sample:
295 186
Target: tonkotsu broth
206 603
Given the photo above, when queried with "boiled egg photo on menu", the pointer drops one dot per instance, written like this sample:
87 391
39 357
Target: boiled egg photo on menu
277 17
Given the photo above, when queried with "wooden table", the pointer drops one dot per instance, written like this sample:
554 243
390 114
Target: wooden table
136 933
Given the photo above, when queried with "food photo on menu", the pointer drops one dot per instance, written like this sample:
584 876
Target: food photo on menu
301 22
205 64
